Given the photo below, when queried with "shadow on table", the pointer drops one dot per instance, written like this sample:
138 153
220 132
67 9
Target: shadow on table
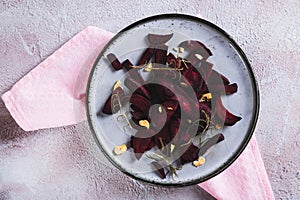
9 129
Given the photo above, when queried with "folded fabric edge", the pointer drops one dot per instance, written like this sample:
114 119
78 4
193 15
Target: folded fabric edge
261 174
264 178
18 117
9 98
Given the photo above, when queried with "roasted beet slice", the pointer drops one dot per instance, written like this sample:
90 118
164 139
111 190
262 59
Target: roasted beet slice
146 56
170 106
161 114
196 47
160 56
172 60
137 115
140 102
163 137
210 142
223 115
174 127
159 93
205 70
230 89
188 105
127 64
220 88
159 39
159 170
172 76
158 117
141 143
112 103
180 132
193 77
216 76
136 87
107 106
115 63
175 62
190 154
192 45
136 76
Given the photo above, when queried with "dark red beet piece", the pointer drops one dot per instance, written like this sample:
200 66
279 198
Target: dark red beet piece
174 127
179 133
192 45
228 89
211 141
190 154
160 56
112 100
140 102
138 115
107 106
127 64
175 62
205 70
115 63
216 76
163 137
158 92
159 39
158 119
146 56
223 115
195 46
136 87
188 105
172 60
162 118
141 143
193 77
159 170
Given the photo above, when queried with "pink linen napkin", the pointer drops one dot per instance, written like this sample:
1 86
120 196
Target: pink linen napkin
53 95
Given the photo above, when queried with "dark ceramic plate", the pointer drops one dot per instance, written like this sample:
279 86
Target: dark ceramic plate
227 58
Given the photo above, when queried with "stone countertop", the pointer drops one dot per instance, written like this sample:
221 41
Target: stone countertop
69 165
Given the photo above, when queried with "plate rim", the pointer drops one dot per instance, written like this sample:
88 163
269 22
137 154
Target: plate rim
256 99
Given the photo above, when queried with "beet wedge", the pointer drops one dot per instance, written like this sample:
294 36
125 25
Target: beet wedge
126 64
112 104
216 76
196 47
141 143
160 55
159 39
190 154
227 89
136 87
158 168
140 102
161 115
210 142
223 115
146 56
172 60
115 63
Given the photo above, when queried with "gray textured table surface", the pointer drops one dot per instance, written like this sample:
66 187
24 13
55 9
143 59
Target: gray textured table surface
71 166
